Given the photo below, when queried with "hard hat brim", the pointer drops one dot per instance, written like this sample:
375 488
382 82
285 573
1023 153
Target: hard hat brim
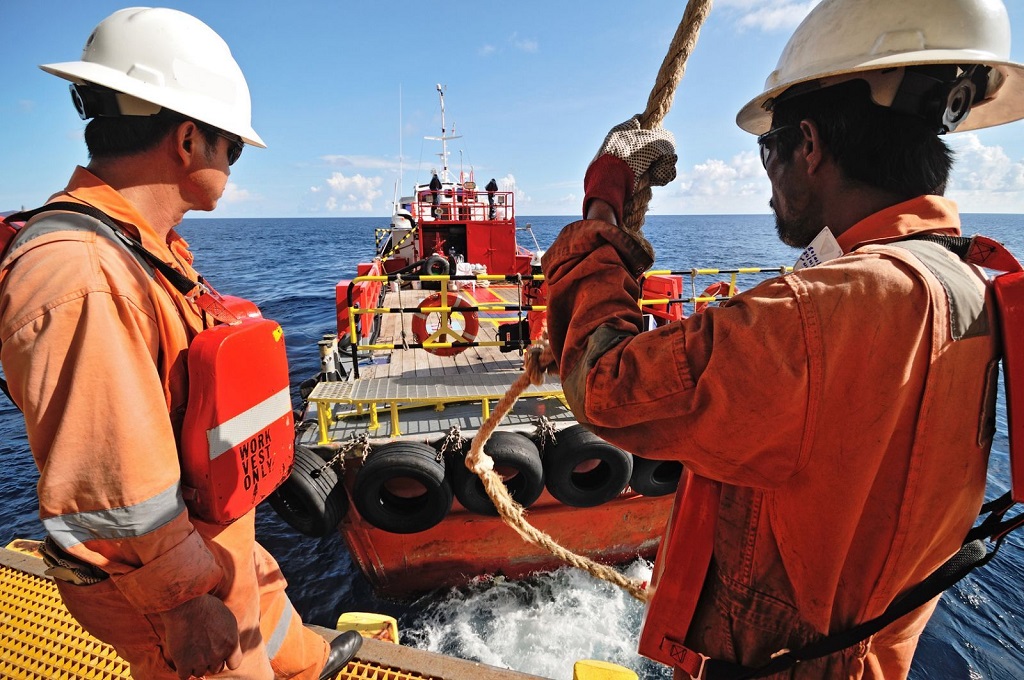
1005 106
89 72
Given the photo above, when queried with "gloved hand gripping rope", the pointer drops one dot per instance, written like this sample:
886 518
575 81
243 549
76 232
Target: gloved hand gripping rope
634 156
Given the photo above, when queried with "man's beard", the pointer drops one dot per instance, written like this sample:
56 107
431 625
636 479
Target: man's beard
794 232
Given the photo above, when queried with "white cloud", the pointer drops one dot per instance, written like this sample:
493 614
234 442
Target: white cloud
234 194
354 193
524 44
528 45
768 15
715 177
362 162
508 183
738 185
985 178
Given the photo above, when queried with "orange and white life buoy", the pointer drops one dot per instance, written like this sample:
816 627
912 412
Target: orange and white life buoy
717 289
436 326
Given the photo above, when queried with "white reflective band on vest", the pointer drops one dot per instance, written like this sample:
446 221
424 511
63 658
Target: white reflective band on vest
230 434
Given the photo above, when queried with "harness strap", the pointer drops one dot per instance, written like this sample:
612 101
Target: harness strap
972 555
205 297
978 250
181 283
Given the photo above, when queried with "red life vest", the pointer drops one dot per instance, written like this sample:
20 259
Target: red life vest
237 438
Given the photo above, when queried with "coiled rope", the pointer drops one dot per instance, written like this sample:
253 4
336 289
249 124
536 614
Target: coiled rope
539 358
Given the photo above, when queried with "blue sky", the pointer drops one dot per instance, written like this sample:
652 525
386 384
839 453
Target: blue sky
344 92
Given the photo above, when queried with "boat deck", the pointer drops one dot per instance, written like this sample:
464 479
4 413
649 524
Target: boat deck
426 394
397 327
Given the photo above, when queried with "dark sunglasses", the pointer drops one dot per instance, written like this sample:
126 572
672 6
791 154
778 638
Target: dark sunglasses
235 146
767 149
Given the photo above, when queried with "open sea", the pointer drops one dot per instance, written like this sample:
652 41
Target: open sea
541 626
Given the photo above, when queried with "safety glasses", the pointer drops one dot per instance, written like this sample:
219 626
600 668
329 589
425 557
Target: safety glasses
767 146
235 146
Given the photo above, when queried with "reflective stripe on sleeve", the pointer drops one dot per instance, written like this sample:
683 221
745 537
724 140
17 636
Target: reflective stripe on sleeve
233 432
127 521
284 622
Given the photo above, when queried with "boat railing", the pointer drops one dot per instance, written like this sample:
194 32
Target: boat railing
384 240
661 290
459 204
360 314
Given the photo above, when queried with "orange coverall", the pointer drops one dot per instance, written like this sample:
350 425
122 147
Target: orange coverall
94 350
845 410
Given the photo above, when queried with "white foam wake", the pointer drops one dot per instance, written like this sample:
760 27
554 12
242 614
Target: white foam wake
540 626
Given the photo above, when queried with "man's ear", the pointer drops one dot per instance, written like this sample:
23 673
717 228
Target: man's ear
184 137
811 146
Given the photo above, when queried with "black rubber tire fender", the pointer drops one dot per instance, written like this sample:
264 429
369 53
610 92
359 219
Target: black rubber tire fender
655 477
512 453
312 500
576 445
435 265
398 463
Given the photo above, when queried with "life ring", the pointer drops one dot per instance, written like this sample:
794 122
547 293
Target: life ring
655 477
582 470
435 326
401 488
312 500
516 459
717 289
435 265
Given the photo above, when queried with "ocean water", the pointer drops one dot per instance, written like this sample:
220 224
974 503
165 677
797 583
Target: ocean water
289 267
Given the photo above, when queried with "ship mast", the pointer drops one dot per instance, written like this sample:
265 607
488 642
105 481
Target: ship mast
445 175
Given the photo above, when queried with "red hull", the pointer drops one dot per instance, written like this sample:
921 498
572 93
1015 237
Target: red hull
466 545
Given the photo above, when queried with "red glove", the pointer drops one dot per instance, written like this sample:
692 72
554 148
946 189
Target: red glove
610 179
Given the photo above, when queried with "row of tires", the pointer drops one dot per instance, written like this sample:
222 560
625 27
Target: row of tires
408 487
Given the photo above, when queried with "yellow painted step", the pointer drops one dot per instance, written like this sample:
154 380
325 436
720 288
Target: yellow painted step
376 626
591 669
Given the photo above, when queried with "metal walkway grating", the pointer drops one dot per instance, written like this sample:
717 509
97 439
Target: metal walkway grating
39 640
461 387
396 393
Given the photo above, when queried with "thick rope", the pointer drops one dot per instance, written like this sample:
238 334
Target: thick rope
540 359
660 101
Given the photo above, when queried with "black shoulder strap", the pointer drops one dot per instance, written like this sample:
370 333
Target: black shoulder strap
182 283
972 554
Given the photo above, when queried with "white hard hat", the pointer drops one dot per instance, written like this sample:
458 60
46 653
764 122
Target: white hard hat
842 40
170 59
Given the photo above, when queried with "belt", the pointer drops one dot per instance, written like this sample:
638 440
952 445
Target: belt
64 567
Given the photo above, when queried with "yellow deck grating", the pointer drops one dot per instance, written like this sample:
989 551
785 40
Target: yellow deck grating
39 640
357 670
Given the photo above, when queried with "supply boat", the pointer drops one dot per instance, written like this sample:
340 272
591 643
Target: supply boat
431 333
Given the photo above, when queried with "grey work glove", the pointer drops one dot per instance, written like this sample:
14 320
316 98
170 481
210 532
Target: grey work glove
645 151
625 155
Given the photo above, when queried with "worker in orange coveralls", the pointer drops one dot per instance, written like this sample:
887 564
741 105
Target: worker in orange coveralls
93 347
836 421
